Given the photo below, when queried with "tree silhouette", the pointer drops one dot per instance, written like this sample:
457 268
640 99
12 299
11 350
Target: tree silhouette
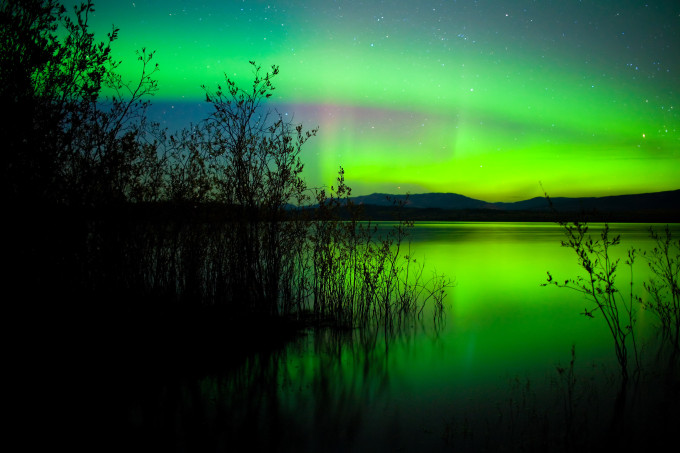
250 155
110 211
66 143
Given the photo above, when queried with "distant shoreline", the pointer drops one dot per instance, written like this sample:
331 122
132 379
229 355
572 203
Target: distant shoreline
649 207
659 207
381 213
213 212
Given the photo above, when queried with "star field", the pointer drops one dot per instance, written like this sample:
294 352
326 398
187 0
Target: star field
482 98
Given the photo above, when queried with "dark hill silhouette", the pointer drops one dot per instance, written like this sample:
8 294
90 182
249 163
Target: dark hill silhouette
657 206
424 201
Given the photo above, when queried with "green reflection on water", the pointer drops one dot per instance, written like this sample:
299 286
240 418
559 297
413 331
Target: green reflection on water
500 324
341 390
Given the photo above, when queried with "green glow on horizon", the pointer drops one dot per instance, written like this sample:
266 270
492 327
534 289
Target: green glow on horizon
403 110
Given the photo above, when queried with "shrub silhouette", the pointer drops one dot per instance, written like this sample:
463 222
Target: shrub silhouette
66 143
618 307
129 220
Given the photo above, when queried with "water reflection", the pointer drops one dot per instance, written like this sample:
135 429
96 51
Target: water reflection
320 393
488 370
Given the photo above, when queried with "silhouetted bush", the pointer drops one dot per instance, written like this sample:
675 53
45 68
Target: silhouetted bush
119 216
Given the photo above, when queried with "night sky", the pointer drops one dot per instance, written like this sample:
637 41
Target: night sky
483 98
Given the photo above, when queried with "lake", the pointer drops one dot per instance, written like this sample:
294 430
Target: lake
480 377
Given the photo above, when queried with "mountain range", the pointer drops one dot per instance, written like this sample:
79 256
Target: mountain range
657 206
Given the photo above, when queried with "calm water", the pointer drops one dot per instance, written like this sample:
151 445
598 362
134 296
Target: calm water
427 388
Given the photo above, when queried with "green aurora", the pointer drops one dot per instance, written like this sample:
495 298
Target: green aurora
487 99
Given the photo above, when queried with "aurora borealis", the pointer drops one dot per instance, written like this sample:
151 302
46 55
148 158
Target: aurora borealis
481 98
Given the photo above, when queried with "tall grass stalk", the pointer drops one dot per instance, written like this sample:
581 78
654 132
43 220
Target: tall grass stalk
363 273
